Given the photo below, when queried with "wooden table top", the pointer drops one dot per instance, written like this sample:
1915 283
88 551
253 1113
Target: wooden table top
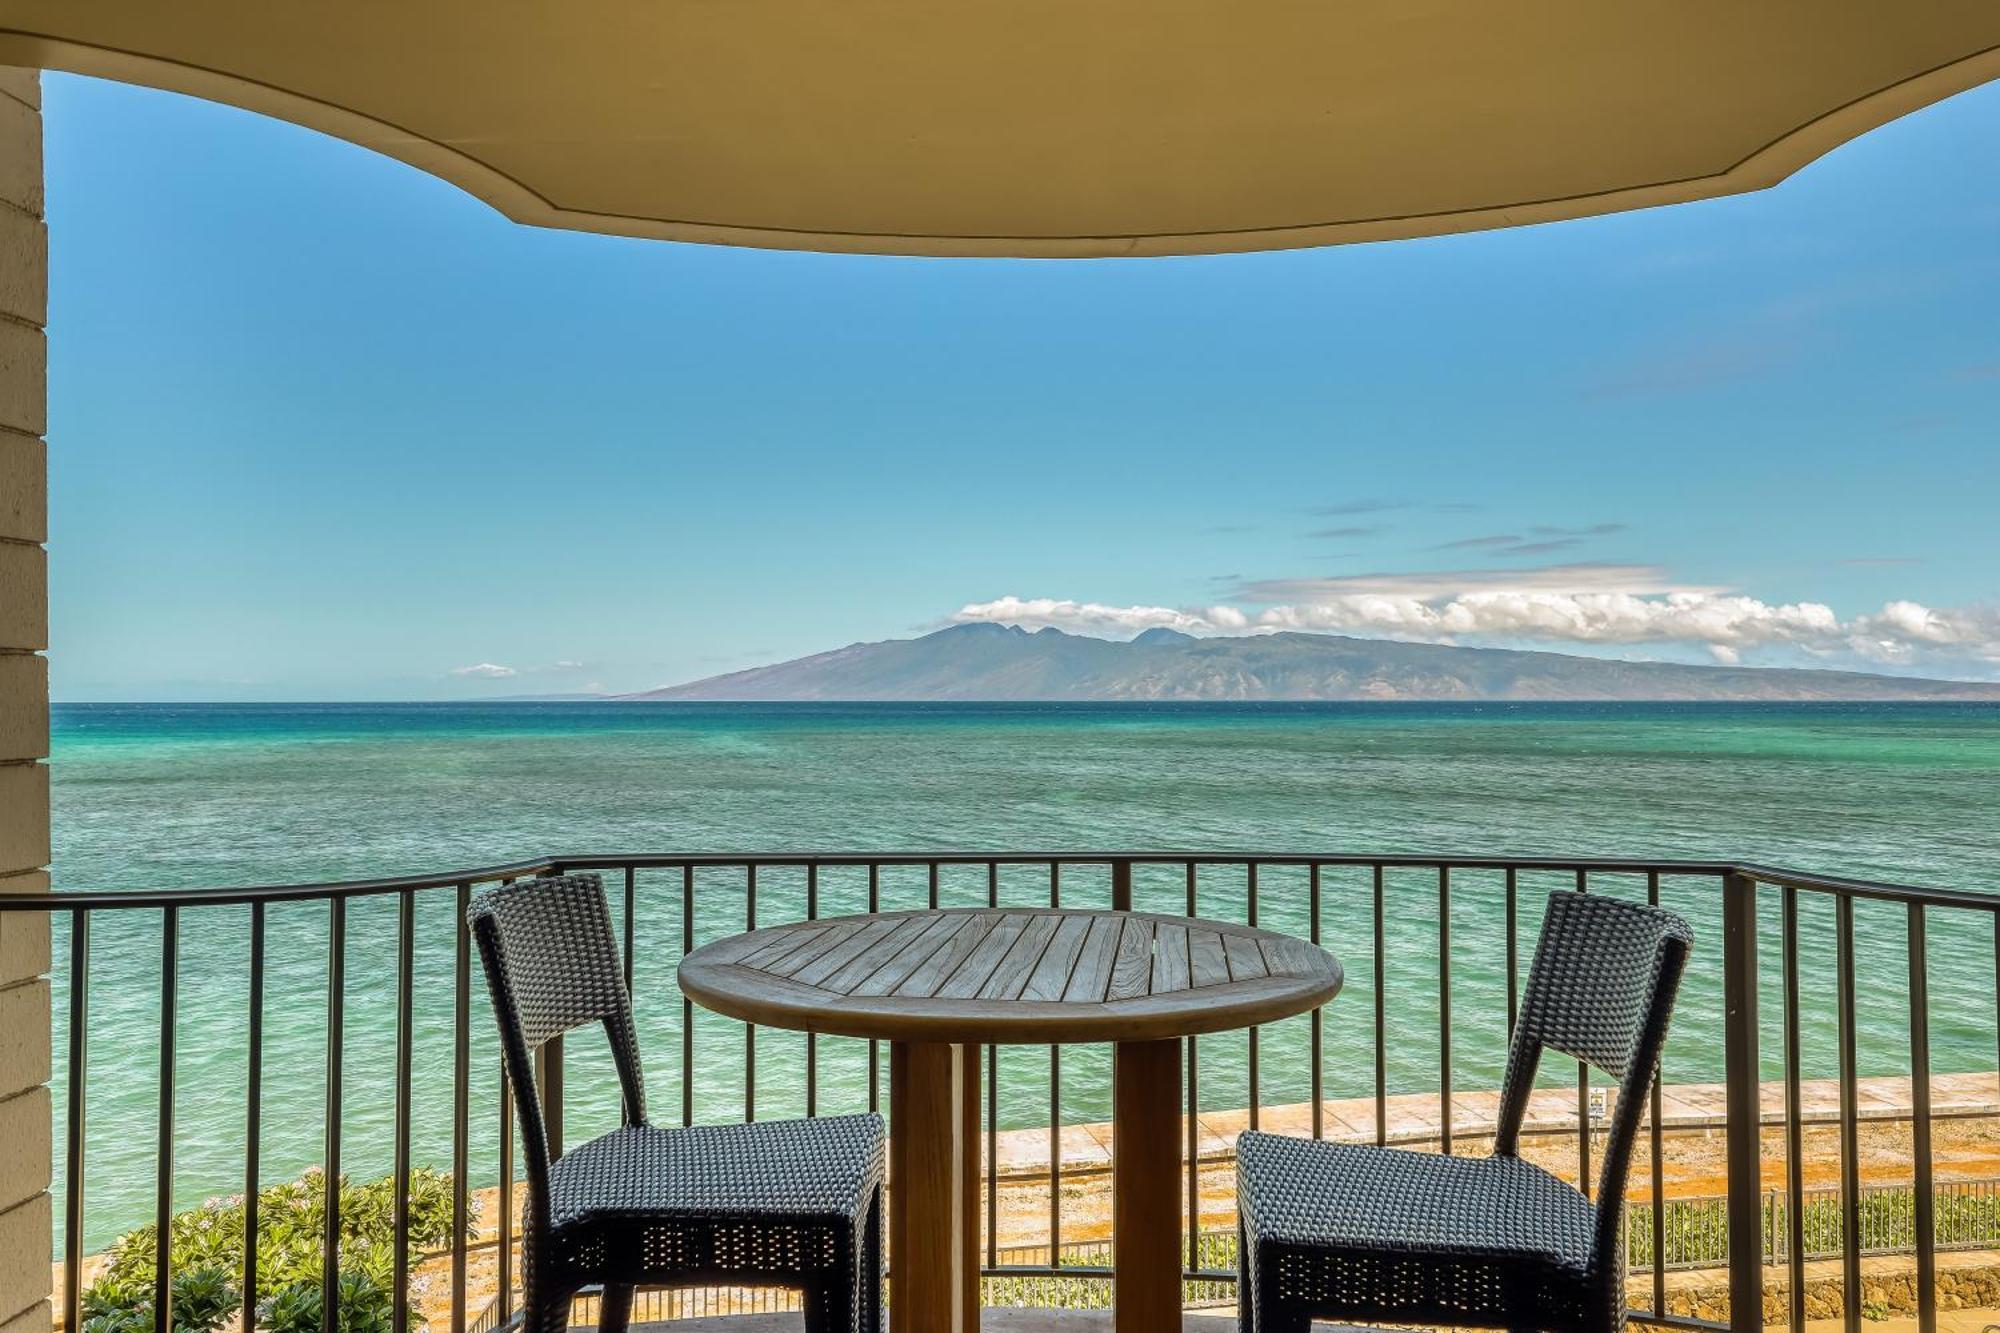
1010 975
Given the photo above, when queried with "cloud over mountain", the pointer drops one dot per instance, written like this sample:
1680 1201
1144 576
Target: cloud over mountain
1616 605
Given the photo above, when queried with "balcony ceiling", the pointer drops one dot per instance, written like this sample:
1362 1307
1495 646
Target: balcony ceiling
1051 127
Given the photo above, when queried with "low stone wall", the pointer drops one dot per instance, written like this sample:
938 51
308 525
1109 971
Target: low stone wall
1965 1281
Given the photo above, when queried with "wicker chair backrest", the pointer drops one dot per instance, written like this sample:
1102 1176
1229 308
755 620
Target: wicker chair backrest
1601 989
552 966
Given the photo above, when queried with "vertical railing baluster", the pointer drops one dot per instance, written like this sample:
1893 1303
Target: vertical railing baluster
1250 1035
933 885
631 909
1924 1200
992 1110
687 1005
1658 1112
1583 1092
1318 1017
163 1162
1513 951
1193 1126
1055 1110
336 1013
406 960
1381 1018
750 1029
1444 1008
461 1102
506 1192
1795 1167
1121 886
874 1047
1742 1128
74 1128
812 1038
1850 1117
253 1114
506 1196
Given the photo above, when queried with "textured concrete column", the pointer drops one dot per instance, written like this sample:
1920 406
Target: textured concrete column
24 711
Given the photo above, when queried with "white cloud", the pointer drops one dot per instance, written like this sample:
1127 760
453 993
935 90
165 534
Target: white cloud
484 671
1096 618
1440 608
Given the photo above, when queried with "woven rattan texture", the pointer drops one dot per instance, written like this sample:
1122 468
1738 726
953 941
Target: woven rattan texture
1595 973
558 953
1344 1232
783 1203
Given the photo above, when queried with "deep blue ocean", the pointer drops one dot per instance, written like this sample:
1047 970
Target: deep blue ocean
154 796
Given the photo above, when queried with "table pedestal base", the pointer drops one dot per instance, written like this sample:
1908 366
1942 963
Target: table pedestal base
934 1160
933 1187
1145 1184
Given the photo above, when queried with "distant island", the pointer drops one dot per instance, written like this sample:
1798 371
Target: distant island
988 662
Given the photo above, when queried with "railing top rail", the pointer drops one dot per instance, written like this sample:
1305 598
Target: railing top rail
1868 888
65 900
238 895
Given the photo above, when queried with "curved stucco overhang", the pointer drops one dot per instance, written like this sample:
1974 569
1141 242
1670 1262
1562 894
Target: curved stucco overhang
1051 127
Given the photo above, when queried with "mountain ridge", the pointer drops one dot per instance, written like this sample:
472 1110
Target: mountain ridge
982 662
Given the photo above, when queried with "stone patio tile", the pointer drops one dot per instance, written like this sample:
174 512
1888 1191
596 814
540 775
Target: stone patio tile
1295 1121
1474 1114
1350 1123
1022 1149
1081 1148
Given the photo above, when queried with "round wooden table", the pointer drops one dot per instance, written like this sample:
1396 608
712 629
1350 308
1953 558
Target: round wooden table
938 985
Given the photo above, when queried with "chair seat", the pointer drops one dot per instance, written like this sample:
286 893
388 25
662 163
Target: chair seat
1380 1233
819 1168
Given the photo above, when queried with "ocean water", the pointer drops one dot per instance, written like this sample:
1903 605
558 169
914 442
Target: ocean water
155 796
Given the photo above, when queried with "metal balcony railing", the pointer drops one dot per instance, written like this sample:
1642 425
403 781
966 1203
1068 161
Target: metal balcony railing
1783 938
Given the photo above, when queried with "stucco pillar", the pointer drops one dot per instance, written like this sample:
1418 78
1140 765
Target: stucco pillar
24 710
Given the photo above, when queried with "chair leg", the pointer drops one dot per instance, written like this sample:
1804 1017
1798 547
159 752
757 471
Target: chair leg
545 1311
614 1307
1246 1312
871 1268
1257 1310
830 1306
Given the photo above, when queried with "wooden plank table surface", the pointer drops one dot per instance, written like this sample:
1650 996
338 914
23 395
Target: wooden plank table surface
938 985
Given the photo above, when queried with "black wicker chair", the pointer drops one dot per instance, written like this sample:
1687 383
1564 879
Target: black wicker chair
1338 1231
793 1203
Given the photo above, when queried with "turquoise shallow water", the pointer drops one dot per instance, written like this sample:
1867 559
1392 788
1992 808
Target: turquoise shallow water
180 795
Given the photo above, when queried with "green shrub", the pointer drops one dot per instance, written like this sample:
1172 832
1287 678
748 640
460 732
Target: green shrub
110 1306
291 1230
291 1227
365 1307
204 1298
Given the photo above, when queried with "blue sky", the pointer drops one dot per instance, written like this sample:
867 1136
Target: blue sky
324 427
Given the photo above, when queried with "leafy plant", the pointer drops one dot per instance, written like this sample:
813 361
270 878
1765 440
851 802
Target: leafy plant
110 1306
291 1233
291 1227
365 1306
204 1299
